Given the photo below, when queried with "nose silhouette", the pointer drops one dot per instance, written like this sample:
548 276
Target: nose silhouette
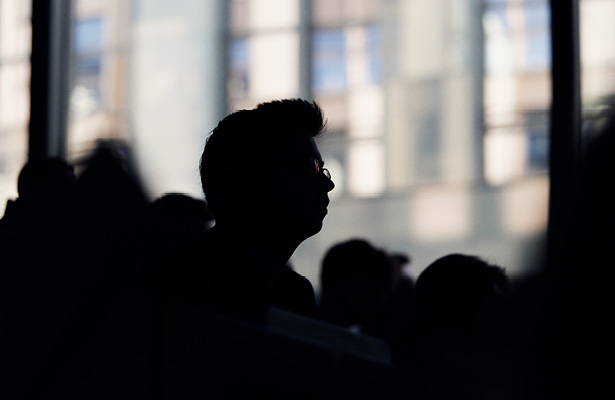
325 181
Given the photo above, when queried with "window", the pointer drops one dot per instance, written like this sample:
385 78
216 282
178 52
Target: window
88 47
15 47
516 89
264 51
329 76
98 83
347 79
597 61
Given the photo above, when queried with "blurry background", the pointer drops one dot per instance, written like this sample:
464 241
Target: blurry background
438 110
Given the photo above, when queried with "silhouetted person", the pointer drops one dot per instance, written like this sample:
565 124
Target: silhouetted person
265 184
111 211
37 270
294 292
364 288
100 356
112 207
454 290
580 332
46 190
465 346
170 221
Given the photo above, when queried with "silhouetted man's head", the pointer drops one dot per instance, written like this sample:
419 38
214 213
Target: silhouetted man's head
262 166
48 182
452 290
357 279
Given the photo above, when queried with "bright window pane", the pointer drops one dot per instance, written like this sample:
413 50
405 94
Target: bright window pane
597 37
15 47
274 66
366 168
148 74
516 89
266 14
329 74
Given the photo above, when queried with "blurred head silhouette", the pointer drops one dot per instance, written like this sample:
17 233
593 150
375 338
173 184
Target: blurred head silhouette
262 166
46 180
456 292
108 179
174 218
357 280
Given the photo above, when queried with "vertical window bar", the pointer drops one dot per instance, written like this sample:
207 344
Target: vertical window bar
565 123
305 49
51 23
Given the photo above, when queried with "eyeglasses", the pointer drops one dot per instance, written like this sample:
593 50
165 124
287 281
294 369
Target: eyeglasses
317 167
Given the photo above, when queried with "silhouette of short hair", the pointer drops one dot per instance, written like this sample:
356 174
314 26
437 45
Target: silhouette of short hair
450 289
242 140
357 279
178 216
347 259
44 177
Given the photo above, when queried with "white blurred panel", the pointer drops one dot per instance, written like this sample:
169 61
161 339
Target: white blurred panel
524 207
440 214
500 99
15 48
14 95
356 57
597 30
266 14
366 112
423 36
15 32
366 168
174 91
505 155
274 66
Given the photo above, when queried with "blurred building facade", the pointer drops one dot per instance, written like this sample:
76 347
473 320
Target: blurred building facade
438 110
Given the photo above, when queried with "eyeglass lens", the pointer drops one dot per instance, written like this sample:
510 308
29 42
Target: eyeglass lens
317 167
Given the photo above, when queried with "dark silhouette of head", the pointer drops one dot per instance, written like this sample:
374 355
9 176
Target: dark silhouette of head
262 166
453 290
46 182
357 279
108 179
174 218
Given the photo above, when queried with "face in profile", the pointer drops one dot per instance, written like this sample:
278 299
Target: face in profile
295 187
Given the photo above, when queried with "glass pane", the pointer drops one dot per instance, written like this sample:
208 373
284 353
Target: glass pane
597 37
365 112
505 155
366 168
516 89
97 79
239 63
15 48
268 14
148 74
329 61
274 66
